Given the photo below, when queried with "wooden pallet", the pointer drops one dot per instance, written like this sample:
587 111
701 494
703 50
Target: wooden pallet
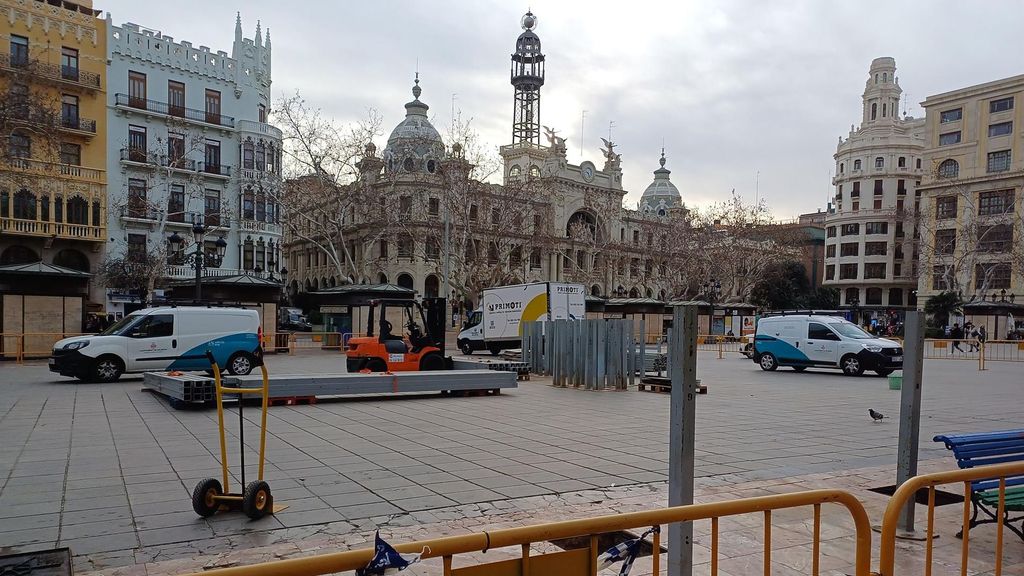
664 385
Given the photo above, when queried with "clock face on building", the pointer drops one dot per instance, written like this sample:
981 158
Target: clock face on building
587 170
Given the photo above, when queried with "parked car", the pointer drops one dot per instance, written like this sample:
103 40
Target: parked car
805 341
293 319
164 338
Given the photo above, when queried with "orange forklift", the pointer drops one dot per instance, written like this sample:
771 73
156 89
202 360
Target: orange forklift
382 350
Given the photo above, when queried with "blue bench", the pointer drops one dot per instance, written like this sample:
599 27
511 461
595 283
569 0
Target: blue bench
981 449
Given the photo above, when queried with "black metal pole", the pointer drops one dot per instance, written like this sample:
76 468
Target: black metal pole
241 438
199 268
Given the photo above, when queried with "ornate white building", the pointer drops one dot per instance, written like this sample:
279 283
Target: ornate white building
188 141
868 252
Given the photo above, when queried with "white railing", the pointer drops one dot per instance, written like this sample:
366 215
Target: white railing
257 226
42 167
188 272
260 127
50 229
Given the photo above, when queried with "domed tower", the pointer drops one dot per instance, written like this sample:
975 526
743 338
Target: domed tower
527 78
882 92
414 145
661 195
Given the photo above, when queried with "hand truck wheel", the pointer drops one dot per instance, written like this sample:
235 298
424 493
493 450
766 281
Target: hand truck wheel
204 497
257 500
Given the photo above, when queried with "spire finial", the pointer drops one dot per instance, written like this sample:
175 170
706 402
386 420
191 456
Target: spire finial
416 90
662 161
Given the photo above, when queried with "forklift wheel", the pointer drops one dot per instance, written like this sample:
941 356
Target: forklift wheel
432 362
257 501
204 497
376 365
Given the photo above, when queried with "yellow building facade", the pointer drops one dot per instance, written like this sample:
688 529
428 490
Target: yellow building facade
971 201
53 185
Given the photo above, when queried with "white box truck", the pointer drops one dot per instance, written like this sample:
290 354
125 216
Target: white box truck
496 325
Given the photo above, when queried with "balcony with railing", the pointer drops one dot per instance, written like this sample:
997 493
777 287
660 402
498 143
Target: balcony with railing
62 230
188 272
64 74
78 124
44 168
215 169
125 101
246 225
259 128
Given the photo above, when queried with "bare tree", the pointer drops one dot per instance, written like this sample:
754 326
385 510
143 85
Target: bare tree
30 123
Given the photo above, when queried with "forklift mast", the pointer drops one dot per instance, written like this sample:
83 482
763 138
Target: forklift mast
435 315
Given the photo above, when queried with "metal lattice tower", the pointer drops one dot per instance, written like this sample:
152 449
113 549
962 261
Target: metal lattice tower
527 78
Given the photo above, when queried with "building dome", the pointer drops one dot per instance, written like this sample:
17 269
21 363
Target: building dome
414 145
661 194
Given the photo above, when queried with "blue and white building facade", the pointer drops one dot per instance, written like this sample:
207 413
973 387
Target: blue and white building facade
189 140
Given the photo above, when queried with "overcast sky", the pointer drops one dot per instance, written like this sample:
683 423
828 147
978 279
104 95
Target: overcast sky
733 88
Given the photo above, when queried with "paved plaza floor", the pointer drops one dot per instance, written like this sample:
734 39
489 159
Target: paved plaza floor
107 469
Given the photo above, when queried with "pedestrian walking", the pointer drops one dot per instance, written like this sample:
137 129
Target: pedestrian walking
982 335
956 334
971 333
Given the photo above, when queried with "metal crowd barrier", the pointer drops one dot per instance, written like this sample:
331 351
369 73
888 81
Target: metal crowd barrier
584 560
887 552
40 344
721 344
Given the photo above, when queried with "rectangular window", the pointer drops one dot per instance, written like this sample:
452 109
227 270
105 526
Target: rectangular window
856 190
20 146
261 157
848 272
991 276
434 207
636 236
874 270
248 201
19 101
405 247
830 232
137 202
383 249
69 111
830 272
851 229
175 98
877 204
176 149
849 249
951 115
211 207
945 241
949 138
262 110
855 206
19 50
433 248
945 207
876 228
70 154
176 203
212 156
830 251
876 248
212 106
137 147
1000 105
137 90
69 63
248 250
901 187
941 276
998 238
261 207
878 187
1001 129
995 202
473 212
535 259
136 247
248 162
495 215
405 206
999 161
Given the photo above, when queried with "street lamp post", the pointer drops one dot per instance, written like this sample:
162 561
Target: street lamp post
198 258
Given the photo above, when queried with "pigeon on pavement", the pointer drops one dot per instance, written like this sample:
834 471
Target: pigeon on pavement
876 416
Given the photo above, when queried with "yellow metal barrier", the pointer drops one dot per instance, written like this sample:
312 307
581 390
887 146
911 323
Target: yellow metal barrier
315 341
887 554
584 561
12 345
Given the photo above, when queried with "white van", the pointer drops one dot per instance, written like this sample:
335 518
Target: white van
806 341
165 338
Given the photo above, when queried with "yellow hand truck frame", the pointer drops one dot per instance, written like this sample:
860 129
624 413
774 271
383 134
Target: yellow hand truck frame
211 495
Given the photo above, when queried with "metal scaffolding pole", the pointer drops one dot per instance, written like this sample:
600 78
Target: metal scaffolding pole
682 431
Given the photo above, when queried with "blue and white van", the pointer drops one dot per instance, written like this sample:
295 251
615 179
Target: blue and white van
165 338
810 341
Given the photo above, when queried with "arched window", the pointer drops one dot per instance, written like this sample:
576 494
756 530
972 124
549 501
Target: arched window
582 225
902 162
515 171
261 156
78 211
383 279
884 107
842 167
44 208
431 286
876 78
18 254
24 205
885 77
856 164
534 171
879 162
918 163
71 258
95 212
634 293
248 249
595 290
895 297
874 110
247 155
873 297
405 281
852 296
949 169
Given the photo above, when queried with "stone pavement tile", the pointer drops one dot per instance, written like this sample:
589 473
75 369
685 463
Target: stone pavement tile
303 504
646 476
237 523
99 528
473 496
95 483
497 481
299 518
423 503
452 486
403 492
30 522
101 543
353 498
340 487
35 480
22 537
99 515
565 485
174 485
168 520
605 481
539 476
166 507
175 534
476 472
368 510
31 509
520 490
177 495
432 478
414 469
151 478
95 503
